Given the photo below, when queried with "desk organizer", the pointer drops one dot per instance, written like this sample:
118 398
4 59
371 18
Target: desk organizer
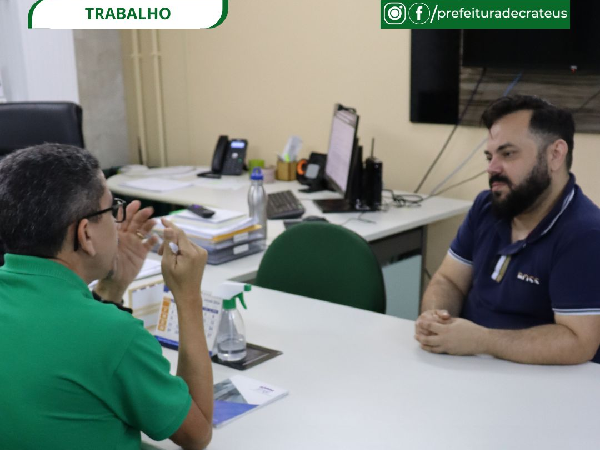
236 251
286 171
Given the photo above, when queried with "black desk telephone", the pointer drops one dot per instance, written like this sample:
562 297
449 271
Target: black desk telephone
228 158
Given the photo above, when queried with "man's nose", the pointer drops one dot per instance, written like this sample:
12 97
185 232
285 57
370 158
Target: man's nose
494 167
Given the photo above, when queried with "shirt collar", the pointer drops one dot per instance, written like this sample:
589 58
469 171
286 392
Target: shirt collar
559 208
33 265
545 225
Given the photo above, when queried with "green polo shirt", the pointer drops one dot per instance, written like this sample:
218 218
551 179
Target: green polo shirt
77 373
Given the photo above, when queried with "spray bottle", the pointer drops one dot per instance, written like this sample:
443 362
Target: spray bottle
231 336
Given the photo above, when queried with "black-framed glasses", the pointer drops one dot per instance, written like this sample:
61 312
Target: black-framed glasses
118 210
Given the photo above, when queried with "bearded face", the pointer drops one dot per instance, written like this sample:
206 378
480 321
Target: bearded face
520 197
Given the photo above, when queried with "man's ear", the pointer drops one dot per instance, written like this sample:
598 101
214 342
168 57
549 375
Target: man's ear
83 236
558 154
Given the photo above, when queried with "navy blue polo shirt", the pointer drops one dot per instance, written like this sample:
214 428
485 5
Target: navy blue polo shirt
555 270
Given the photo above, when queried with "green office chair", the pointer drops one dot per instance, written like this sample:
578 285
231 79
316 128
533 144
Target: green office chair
324 261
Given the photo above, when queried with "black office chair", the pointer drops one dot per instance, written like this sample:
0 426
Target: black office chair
23 124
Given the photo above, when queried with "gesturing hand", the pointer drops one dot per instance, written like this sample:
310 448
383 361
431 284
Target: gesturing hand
132 251
182 271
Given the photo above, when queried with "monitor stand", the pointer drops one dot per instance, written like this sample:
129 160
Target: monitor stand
340 205
311 189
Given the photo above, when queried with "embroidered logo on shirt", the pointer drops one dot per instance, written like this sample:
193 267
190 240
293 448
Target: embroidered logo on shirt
528 278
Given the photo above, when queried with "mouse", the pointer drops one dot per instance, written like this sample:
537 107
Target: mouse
314 219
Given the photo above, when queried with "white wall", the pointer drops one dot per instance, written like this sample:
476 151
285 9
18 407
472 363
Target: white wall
12 64
36 64
62 65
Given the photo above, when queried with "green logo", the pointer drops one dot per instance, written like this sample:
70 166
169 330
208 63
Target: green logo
476 14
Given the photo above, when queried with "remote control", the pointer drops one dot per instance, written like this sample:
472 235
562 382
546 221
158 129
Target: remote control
201 211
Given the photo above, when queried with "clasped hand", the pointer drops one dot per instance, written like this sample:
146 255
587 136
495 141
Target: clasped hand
438 332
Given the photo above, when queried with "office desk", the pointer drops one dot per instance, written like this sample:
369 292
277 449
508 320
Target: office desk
393 235
358 380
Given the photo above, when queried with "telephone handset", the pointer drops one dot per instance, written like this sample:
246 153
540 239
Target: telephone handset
228 158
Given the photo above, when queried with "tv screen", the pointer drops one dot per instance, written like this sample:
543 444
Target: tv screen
540 49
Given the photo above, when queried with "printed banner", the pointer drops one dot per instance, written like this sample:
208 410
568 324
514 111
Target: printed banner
127 14
476 14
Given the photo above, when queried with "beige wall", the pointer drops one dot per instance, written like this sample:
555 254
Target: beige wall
275 68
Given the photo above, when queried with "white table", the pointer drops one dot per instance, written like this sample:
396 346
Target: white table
358 380
394 221
399 231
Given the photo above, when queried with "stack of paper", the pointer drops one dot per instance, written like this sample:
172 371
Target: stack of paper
156 184
208 236
228 235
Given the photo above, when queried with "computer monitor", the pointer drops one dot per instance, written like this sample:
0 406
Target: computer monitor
341 147
343 170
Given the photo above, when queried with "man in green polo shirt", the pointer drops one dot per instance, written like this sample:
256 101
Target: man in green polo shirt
78 373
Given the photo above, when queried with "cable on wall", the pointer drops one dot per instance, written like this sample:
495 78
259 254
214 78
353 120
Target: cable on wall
483 141
460 119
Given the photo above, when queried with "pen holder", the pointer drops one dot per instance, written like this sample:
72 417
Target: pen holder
269 175
286 171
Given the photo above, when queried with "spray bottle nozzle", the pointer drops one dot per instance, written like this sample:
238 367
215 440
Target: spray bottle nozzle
230 291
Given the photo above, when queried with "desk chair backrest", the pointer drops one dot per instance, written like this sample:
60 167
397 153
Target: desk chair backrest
23 124
326 262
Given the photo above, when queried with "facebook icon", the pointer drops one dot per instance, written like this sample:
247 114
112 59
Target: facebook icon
419 13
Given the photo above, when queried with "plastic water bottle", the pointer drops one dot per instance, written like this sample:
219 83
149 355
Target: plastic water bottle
257 199
231 336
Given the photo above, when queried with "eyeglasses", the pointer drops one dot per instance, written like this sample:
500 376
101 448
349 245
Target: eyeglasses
118 211
117 208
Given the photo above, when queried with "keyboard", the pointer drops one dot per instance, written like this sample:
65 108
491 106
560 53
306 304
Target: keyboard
283 205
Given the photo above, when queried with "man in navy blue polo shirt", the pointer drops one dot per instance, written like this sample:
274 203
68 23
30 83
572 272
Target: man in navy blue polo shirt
521 280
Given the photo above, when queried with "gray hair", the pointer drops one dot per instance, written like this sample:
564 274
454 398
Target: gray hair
43 190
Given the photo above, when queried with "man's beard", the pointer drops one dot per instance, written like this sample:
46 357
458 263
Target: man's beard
522 197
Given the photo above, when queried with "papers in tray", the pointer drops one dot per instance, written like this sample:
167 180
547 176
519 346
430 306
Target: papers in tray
198 231
239 395
156 184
